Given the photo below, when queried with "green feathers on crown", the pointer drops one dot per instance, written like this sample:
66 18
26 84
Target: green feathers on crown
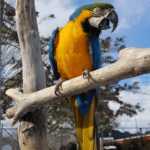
90 7
98 4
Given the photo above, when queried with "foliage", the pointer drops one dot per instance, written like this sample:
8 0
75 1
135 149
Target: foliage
47 17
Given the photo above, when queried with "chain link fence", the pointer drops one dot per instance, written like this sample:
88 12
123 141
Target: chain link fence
60 141
9 139
56 141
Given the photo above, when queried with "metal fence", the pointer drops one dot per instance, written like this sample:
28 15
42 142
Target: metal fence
9 139
58 141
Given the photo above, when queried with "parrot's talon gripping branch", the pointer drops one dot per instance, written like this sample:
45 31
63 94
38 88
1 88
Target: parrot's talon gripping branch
58 85
86 74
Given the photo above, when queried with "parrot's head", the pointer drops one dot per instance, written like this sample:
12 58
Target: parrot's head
97 17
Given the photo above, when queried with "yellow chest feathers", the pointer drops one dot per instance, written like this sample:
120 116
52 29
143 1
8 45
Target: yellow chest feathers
72 49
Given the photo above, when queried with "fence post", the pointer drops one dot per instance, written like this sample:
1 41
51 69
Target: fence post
17 147
101 144
140 131
78 145
0 71
0 136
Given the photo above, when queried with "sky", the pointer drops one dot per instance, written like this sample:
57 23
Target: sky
134 25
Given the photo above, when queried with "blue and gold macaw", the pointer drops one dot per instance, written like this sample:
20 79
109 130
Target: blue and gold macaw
75 50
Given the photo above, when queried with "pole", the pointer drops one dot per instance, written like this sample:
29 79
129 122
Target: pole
0 72
102 134
17 142
61 143
1 130
110 136
101 144
101 140
136 127
140 131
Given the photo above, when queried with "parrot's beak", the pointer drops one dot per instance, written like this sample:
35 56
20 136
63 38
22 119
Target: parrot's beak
102 22
113 18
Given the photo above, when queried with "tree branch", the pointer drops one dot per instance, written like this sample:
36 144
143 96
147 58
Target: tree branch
133 62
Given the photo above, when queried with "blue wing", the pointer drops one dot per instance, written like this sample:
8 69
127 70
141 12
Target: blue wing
96 52
96 55
52 53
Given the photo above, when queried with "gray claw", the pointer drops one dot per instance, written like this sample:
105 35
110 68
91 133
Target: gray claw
58 85
86 74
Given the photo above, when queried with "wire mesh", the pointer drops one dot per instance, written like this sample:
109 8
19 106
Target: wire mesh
9 139
61 141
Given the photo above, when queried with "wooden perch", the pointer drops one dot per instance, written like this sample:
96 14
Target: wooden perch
133 62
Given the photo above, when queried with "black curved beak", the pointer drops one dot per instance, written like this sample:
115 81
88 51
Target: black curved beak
113 18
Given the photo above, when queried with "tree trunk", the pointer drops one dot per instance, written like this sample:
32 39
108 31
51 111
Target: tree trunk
32 126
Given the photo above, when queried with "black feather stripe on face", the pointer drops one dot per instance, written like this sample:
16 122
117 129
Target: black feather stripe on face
90 30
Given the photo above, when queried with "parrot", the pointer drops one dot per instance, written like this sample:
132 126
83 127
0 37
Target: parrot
75 50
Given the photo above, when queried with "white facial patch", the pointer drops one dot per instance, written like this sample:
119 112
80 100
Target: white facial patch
94 21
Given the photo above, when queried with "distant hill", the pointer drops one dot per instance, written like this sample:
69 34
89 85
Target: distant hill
118 135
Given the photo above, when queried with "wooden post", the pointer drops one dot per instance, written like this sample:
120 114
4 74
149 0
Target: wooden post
32 126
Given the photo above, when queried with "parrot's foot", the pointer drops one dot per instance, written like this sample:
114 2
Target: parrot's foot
58 85
86 74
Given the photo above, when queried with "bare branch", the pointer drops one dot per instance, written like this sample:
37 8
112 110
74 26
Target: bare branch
133 62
